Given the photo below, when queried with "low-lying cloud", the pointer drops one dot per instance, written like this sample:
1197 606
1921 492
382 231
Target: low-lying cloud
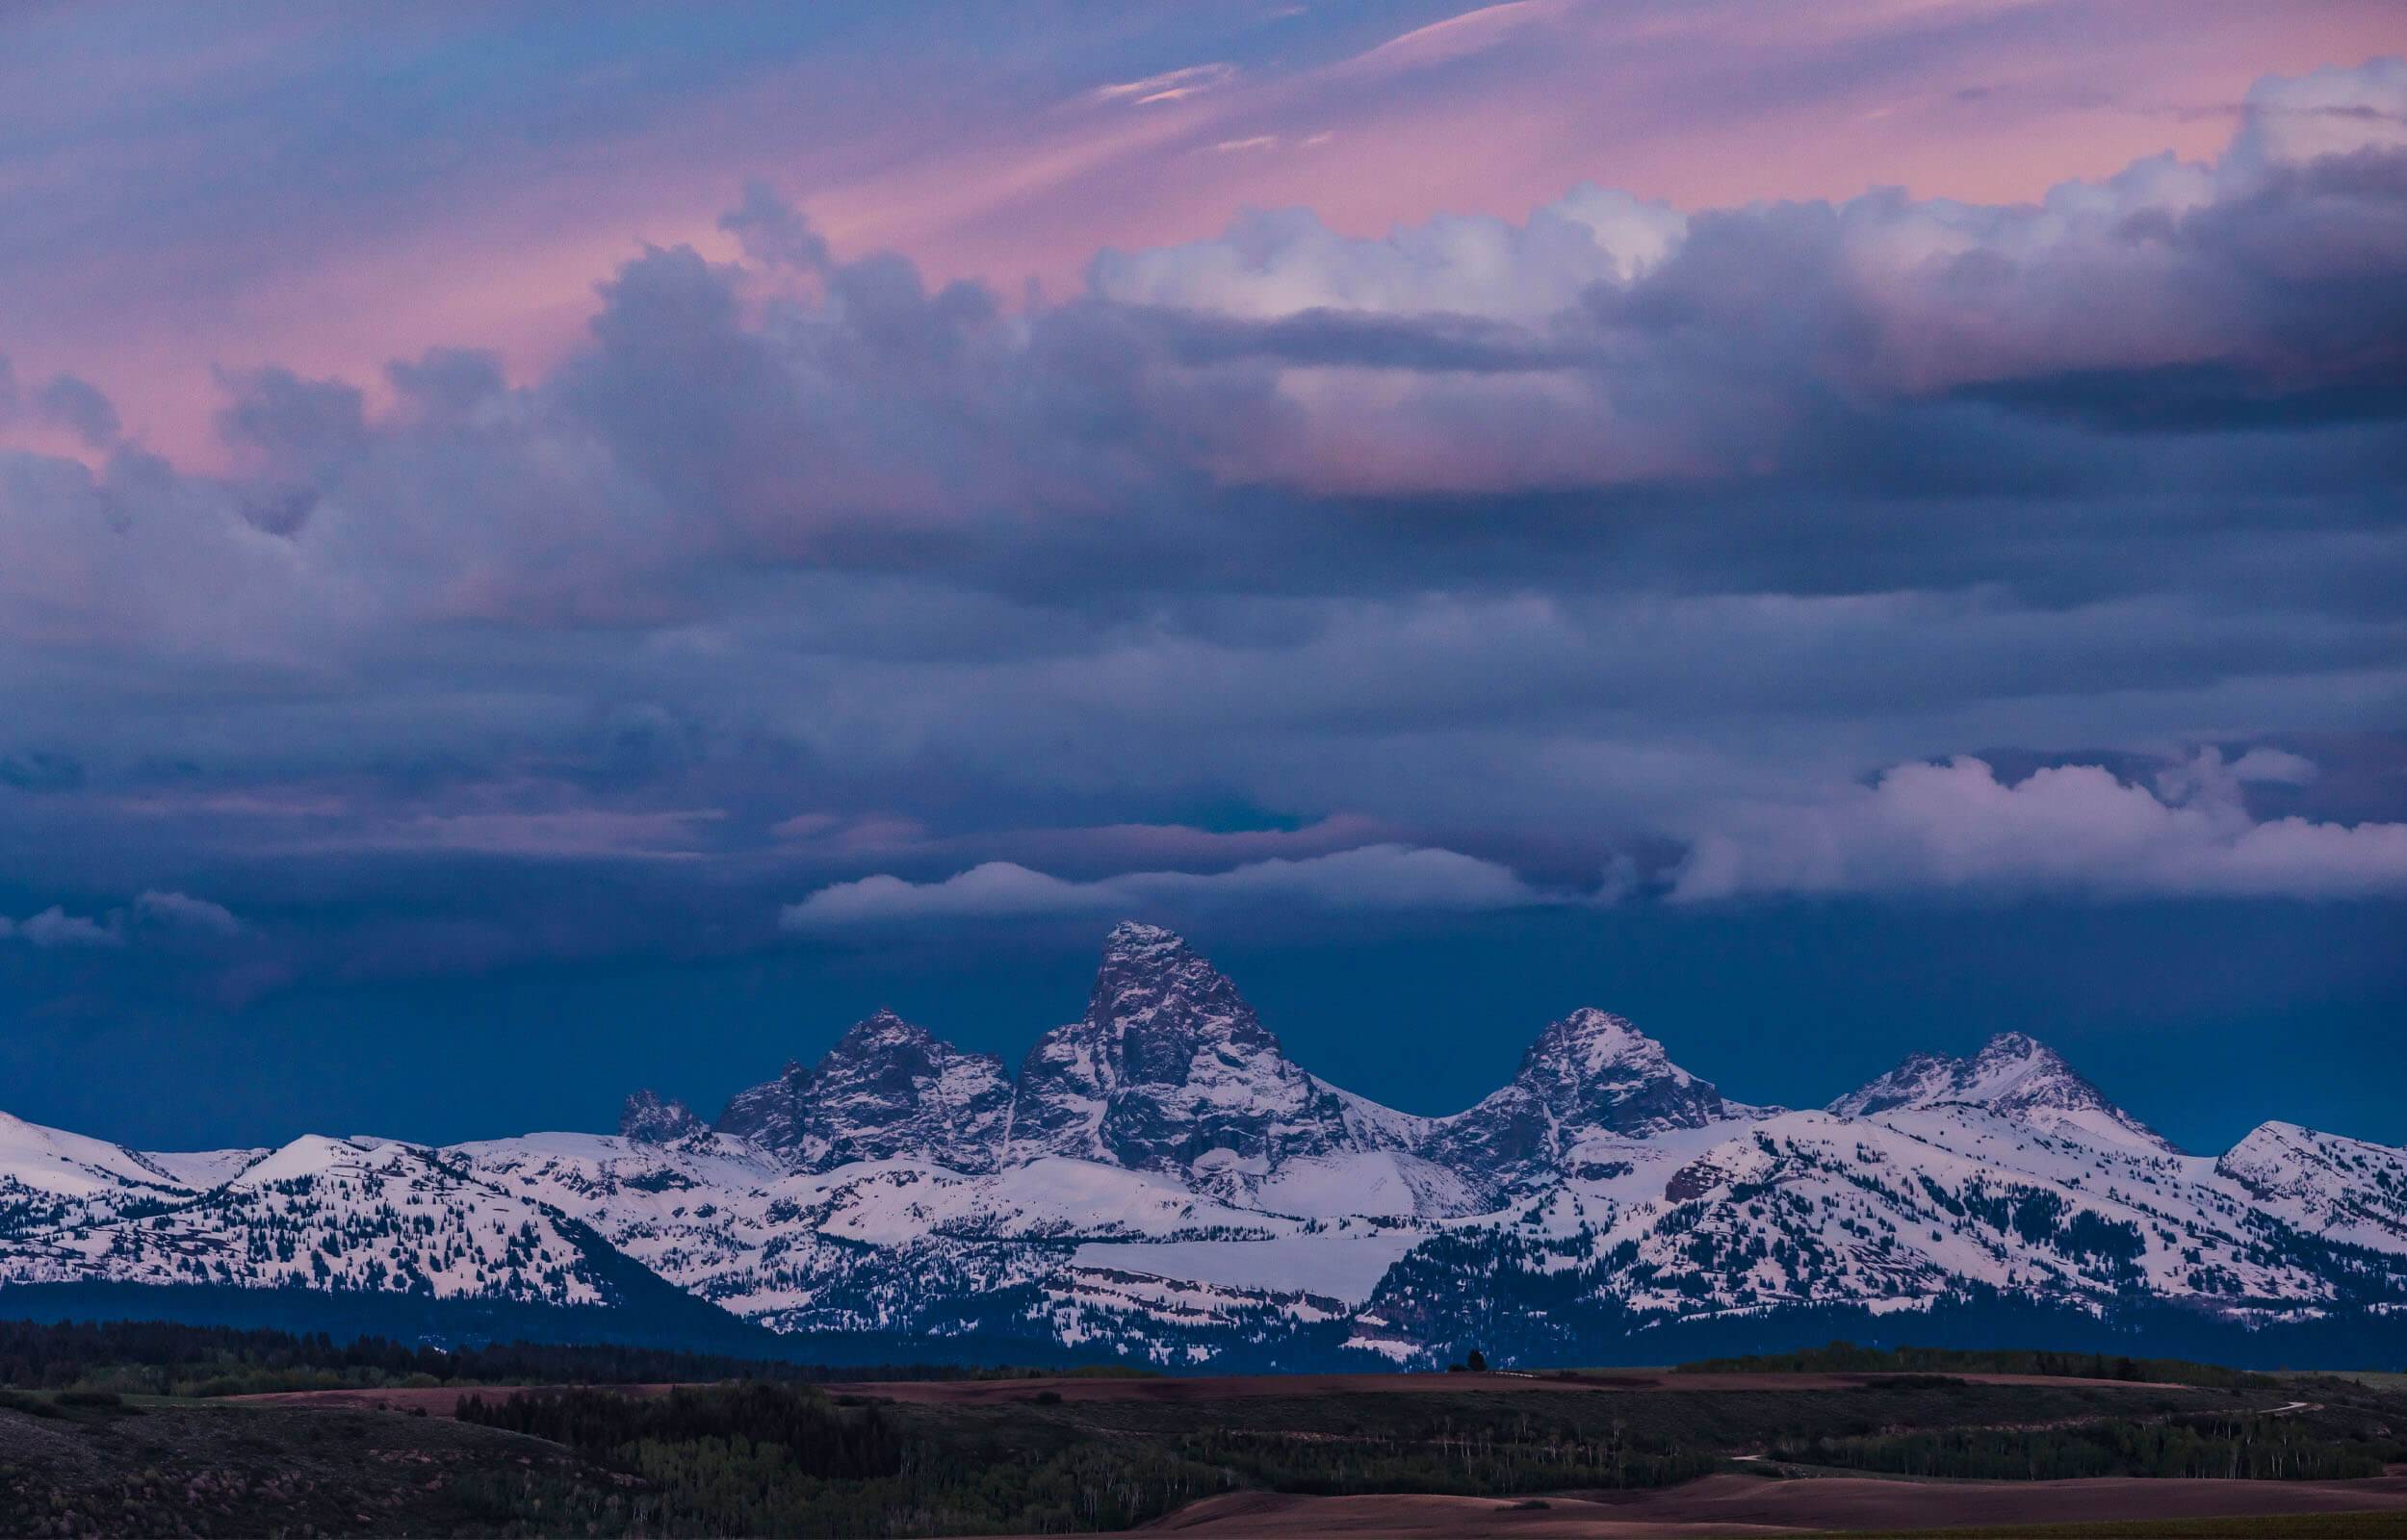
2066 829
152 915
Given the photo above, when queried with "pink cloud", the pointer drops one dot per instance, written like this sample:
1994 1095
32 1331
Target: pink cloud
1696 105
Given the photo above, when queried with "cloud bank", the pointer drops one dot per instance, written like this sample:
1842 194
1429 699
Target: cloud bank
1611 540
2071 828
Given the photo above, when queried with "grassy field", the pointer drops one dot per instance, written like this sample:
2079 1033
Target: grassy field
2393 1381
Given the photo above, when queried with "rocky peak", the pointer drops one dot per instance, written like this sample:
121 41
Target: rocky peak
1593 1045
1169 1067
887 1090
1591 1076
1158 999
1593 1071
771 1113
881 1031
646 1119
2015 1077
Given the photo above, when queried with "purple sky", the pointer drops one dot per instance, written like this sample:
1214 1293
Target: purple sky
487 490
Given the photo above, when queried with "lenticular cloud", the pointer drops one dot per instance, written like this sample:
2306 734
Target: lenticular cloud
1372 877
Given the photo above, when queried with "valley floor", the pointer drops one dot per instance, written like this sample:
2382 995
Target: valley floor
1598 1454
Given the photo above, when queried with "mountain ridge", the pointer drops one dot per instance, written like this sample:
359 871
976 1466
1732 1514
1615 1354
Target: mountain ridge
1165 1183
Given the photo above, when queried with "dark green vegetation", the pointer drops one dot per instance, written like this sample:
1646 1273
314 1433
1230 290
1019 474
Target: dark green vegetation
165 1358
1846 1358
201 1468
656 1314
784 1459
104 1433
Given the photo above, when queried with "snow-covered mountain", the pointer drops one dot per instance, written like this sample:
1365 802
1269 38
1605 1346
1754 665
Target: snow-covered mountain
1163 1182
334 1214
2345 1189
1589 1084
2014 1077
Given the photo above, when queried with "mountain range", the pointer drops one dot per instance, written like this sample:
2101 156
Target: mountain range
1160 1182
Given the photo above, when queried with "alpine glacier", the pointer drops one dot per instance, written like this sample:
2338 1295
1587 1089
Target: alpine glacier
1161 1182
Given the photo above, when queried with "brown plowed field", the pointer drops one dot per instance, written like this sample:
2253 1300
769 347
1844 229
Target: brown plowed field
1746 1504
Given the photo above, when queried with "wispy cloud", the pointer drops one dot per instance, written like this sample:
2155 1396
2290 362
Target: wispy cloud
1170 86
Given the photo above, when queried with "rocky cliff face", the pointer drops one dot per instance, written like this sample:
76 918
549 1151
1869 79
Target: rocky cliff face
647 1120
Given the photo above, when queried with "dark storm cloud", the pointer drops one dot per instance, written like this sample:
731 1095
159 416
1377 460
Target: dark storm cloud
1617 550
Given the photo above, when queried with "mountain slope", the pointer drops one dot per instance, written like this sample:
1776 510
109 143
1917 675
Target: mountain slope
2343 1188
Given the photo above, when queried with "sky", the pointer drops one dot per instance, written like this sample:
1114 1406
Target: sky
551 548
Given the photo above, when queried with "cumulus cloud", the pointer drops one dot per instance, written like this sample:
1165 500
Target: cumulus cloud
1629 344
2065 829
1554 539
1371 877
1284 263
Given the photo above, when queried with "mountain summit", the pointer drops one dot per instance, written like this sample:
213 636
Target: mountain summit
1591 1077
889 1089
1170 1069
2017 1078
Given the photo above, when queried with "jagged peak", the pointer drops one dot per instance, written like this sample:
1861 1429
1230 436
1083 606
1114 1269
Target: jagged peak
1138 934
2007 1047
646 1119
1135 947
879 1029
1151 976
